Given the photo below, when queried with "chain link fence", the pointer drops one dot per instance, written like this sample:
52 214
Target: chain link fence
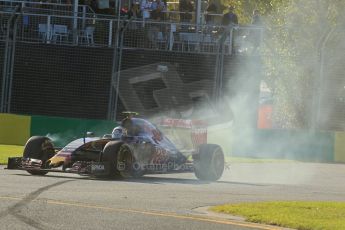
93 67
331 82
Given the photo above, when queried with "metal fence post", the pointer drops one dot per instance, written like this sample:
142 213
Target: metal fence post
115 79
111 105
219 69
318 82
75 21
49 32
4 77
110 35
11 34
231 35
84 16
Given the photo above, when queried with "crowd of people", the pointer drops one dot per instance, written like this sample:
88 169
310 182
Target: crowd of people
217 24
153 9
157 10
148 9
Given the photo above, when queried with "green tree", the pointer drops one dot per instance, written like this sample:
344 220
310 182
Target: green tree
294 31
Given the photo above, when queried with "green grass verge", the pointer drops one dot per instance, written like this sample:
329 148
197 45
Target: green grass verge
10 151
301 215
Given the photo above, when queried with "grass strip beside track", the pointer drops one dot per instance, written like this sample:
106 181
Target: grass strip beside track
291 214
7 151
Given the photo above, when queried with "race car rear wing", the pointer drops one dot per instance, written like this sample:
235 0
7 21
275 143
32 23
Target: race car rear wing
186 134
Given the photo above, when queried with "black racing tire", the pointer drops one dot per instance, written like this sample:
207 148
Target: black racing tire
209 162
110 155
41 148
122 163
127 161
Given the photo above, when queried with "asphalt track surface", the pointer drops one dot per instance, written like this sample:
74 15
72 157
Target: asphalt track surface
67 201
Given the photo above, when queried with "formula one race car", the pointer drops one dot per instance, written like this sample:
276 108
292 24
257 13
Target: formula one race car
134 148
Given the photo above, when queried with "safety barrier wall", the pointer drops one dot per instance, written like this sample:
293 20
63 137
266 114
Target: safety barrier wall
16 129
278 144
339 147
63 130
287 144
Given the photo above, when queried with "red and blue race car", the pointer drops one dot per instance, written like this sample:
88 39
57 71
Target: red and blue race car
134 148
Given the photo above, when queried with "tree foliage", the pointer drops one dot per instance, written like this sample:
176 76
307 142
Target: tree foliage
294 32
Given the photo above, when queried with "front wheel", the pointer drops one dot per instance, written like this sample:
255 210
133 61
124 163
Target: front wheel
40 148
209 162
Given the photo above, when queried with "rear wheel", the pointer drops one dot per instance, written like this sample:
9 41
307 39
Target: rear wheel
209 162
40 148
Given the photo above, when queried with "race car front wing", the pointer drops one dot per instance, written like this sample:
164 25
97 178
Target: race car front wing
79 167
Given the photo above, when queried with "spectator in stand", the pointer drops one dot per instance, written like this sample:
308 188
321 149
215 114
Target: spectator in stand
156 31
145 6
204 6
93 4
134 11
211 9
256 20
230 18
103 6
256 30
229 21
157 8
112 4
124 11
186 9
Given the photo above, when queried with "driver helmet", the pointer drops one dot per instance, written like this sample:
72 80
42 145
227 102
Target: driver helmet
117 132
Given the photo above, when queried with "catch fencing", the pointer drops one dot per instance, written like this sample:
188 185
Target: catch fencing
57 63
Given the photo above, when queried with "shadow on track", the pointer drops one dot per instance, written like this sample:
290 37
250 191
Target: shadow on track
149 179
